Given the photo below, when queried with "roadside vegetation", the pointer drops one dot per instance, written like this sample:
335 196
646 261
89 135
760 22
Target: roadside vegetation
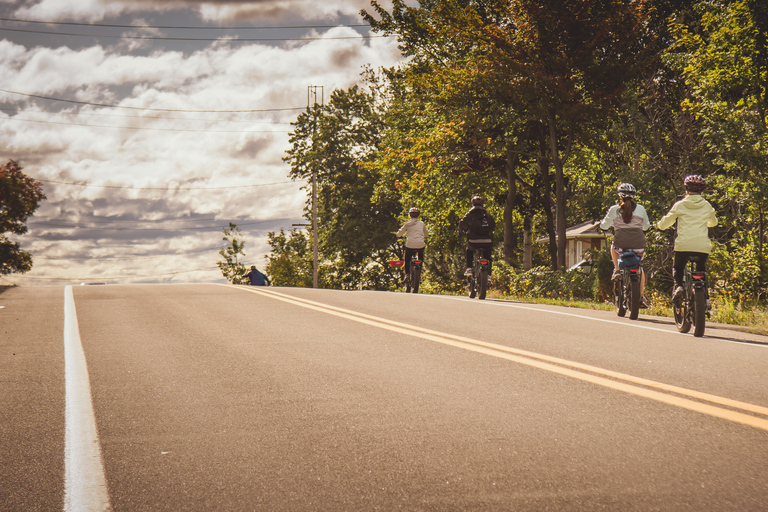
543 108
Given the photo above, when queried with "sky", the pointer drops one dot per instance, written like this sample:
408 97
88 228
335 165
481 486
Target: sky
154 124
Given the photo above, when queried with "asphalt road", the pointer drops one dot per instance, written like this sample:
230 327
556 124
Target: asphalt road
211 397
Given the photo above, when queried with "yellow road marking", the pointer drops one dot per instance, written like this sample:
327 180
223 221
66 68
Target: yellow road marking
600 376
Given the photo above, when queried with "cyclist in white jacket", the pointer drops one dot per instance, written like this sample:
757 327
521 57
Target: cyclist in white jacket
415 233
629 222
694 215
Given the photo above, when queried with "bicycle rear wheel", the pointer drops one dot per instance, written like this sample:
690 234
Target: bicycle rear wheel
634 299
618 298
482 284
699 311
682 316
415 277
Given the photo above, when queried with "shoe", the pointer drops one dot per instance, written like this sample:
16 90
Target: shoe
677 295
489 281
468 272
644 303
407 279
616 275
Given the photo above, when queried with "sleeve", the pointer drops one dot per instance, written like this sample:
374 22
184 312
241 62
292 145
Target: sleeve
401 231
712 221
424 227
668 220
607 222
644 215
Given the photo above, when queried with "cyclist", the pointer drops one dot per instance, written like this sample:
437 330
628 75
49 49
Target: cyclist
256 278
415 233
629 222
478 225
694 215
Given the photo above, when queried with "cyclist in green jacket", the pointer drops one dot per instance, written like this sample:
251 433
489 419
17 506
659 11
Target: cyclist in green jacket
694 215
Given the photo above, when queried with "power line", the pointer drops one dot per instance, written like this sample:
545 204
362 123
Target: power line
164 118
163 188
227 39
40 121
147 108
241 27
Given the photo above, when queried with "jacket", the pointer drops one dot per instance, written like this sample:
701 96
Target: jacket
415 233
465 226
694 215
627 235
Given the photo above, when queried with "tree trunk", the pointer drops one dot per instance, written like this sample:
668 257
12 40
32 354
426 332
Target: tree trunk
509 208
528 240
560 226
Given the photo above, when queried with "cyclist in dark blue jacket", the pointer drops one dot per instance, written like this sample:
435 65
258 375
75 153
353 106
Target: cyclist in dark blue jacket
256 278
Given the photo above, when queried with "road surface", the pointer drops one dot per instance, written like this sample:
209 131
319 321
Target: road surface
213 397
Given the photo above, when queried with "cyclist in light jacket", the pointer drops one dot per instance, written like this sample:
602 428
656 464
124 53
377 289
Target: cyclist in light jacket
694 215
629 222
415 233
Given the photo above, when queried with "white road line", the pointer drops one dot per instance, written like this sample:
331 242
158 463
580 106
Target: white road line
85 484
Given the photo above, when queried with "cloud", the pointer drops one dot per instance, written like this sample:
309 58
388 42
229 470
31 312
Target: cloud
143 194
269 10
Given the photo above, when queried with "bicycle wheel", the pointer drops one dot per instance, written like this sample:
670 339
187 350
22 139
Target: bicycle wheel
699 311
415 277
634 299
482 284
682 316
618 297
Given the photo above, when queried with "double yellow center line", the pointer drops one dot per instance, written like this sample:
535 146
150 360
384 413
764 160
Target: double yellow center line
712 405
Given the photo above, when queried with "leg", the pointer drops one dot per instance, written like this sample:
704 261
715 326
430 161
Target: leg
408 254
420 253
678 270
470 256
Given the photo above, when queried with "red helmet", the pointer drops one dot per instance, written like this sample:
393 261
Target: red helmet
694 183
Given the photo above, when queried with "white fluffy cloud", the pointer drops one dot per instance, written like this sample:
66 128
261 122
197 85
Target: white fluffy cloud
155 187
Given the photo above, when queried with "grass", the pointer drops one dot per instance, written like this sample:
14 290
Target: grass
752 318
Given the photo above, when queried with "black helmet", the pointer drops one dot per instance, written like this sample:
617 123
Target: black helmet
414 212
477 201
253 267
626 190
694 183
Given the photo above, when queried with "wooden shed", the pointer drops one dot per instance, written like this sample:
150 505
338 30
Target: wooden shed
580 238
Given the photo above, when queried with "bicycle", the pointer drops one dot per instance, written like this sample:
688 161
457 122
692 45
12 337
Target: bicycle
626 291
413 279
692 309
477 282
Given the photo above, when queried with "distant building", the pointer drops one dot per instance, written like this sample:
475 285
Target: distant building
580 238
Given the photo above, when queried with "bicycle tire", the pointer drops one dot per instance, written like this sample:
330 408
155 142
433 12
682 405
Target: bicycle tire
618 298
415 278
699 311
682 316
482 285
634 299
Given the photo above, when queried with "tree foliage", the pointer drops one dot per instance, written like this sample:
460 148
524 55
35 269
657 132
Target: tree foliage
544 107
231 268
20 196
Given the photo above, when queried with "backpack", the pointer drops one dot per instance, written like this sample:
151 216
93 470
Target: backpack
479 224
629 260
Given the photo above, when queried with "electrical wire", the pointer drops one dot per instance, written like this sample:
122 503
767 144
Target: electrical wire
226 39
147 108
164 188
241 27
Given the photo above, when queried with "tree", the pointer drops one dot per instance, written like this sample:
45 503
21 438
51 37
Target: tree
532 79
290 261
356 227
232 269
20 196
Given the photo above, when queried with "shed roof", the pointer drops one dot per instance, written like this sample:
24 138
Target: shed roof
586 230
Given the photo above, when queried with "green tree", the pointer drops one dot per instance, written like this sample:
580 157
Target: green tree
529 81
290 260
356 227
20 196
231 269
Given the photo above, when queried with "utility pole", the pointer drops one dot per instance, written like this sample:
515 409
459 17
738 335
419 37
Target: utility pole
312 91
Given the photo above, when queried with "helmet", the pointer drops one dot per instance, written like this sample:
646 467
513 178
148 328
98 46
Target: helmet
694 183
253 267
626 190
477 201
414 212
